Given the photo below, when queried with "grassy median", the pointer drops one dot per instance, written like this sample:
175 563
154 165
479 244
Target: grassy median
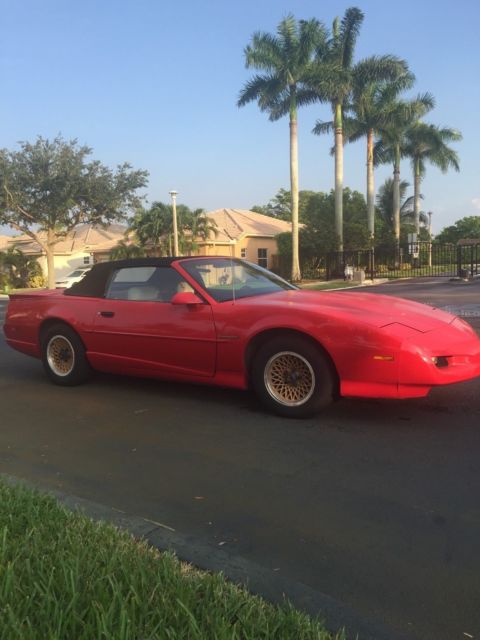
64 576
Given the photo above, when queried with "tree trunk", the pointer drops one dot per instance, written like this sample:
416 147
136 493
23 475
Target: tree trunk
296 274
370 187
416 196
339 176
49 250
396 197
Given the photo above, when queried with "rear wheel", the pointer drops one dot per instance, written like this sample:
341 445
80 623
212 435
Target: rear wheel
63 356
292 377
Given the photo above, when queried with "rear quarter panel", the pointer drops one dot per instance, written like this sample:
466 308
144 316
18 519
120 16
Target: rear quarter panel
28 313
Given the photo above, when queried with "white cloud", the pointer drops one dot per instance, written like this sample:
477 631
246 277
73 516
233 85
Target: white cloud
476 203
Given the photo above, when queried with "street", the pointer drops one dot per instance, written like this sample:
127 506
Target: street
375 503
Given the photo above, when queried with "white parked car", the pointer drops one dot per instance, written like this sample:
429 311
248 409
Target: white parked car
71 278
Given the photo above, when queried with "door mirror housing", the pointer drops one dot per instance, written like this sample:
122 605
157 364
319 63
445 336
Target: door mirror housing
186 297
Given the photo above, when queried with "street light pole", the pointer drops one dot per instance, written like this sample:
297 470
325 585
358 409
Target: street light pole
175 229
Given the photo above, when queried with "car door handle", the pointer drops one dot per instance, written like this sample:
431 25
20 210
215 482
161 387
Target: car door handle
106 314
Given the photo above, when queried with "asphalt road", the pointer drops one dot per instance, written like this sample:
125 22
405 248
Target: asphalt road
376 503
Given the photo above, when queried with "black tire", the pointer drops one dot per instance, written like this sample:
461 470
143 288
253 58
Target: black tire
63 356
292 377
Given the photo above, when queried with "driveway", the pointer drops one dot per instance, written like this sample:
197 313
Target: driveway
375 503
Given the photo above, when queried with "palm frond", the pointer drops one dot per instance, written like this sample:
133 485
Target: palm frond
322 127
313 36
383 153
264 53
378 68
348 33
264 89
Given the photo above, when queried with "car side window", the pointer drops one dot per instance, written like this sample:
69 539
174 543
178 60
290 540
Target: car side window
157 284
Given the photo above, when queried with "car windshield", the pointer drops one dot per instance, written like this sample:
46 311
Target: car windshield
226 279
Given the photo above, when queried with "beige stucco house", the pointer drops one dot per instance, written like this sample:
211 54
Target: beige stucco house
240 233
243 234
77 249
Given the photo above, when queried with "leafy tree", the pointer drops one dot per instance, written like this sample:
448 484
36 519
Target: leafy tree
284 59
428 143
334 78
280 206
49 187
318 236
467 228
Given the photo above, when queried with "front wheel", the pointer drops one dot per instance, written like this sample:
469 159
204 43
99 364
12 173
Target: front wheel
292 377
63 356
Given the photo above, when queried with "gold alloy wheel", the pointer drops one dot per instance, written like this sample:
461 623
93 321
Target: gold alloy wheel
60 355
289 378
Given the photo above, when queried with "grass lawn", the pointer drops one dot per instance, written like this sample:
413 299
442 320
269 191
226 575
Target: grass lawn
64 576
330 284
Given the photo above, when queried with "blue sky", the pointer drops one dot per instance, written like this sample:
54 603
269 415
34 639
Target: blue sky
155 83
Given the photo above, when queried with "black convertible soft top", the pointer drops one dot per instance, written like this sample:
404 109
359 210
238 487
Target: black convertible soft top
94 283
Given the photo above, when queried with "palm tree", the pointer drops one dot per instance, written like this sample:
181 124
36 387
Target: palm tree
427 142
373 108
123 250
285 60
153 226
384 202
18 269
199 227
334 78
389 147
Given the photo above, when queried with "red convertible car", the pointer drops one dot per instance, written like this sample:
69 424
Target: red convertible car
227 322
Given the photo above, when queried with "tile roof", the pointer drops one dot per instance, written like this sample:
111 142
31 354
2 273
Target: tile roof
85 237
234 224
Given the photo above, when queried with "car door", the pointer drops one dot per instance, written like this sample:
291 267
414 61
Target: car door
138 330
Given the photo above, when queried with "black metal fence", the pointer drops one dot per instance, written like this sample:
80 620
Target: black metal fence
421 259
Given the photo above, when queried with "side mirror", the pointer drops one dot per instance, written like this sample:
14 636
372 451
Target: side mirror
186 297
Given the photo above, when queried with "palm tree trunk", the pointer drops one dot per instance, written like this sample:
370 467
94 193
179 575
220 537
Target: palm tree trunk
396 196
370 187
416 196
296 274
339 176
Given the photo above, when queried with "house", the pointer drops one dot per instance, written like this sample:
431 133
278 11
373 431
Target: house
4 242
77 249
240 233
243 234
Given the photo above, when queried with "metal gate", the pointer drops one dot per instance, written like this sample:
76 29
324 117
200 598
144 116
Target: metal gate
421 259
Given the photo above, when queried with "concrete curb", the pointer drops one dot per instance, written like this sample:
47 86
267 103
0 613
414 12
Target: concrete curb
257 579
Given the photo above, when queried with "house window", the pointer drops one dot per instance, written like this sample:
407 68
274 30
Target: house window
262 258
86 259
243 253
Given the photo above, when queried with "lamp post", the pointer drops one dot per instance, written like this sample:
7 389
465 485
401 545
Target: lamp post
173 194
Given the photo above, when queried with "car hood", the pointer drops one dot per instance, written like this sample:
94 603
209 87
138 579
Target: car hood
367 308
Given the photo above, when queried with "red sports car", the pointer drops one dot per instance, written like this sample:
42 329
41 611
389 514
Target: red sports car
227 322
